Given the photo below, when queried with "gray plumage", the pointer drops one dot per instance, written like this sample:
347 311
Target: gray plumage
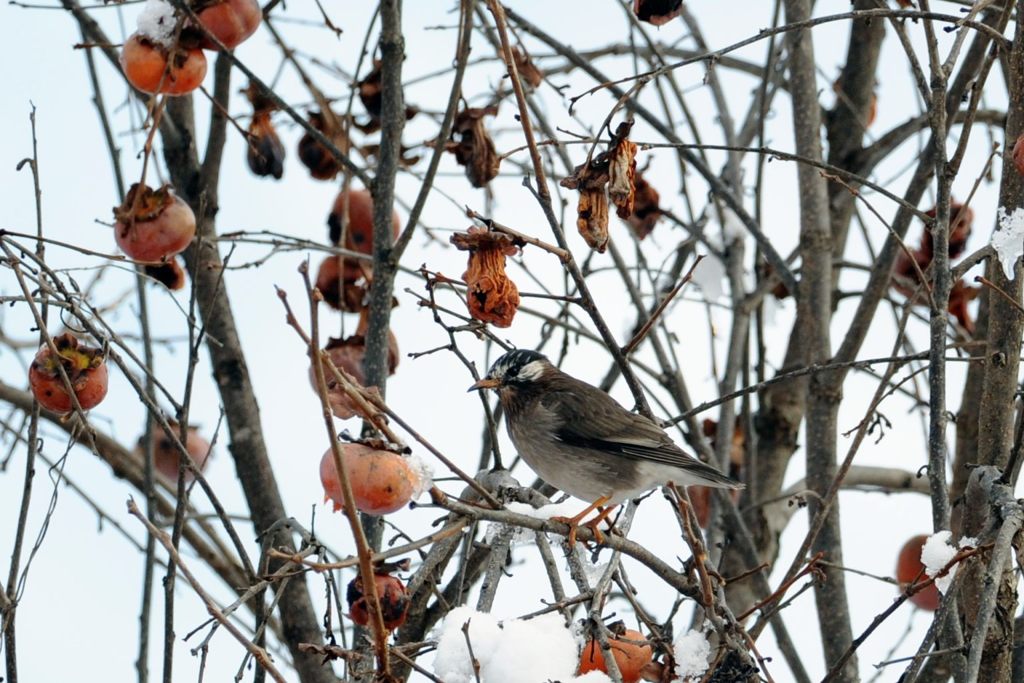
580 440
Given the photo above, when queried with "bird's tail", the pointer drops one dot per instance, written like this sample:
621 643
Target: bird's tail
710 476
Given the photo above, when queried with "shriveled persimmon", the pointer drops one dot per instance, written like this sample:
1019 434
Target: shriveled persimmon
229 21
629 648
85 367
909 569
347 355
357 205
154 68
318 159
382 481
394 601
152 225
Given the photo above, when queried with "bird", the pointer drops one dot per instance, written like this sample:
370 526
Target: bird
583 442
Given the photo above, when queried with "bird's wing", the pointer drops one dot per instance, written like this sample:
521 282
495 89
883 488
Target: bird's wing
610 428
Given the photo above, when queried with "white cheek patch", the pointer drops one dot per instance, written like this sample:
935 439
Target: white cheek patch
531 370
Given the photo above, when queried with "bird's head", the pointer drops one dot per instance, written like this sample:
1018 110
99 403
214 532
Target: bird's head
518 368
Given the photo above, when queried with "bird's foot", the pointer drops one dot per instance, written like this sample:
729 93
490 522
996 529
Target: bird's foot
574 526
574 522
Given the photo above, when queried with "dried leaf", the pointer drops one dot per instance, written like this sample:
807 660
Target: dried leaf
528 71
961 221
492 296
321 163
646 210
475 150
592 218
611 173
265 154
370 90
621 175
259 98
959 296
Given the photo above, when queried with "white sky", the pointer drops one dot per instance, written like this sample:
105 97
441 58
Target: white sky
82 595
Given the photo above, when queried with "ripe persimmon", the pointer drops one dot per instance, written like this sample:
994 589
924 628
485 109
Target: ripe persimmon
909 569
152 225
343 283
382 481
154 68
86 368
631 657
359 232
229 21
165 452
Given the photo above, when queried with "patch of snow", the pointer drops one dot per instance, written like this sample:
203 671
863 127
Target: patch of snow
157 22
692 651
936 554
592 677
515 651
1008 238
968 542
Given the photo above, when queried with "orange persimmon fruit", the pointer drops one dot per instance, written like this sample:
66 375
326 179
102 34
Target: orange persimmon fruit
153 68
382 481
631 657
909 569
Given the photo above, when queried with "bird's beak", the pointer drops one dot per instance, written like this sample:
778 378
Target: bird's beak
485 383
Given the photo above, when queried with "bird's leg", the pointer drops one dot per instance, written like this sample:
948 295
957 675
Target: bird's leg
574 522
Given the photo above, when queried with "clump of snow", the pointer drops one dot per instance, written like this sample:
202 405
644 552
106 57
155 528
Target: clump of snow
732 227
692 651
452 662
968 542
1008 238
710 272
708 275
592 677
157 22
936 554
424 474
515 651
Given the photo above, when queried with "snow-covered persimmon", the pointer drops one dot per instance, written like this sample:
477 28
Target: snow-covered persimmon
358 228
86 368
382 481
394 601
631 654
152 225
153 68
910 569
229 21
